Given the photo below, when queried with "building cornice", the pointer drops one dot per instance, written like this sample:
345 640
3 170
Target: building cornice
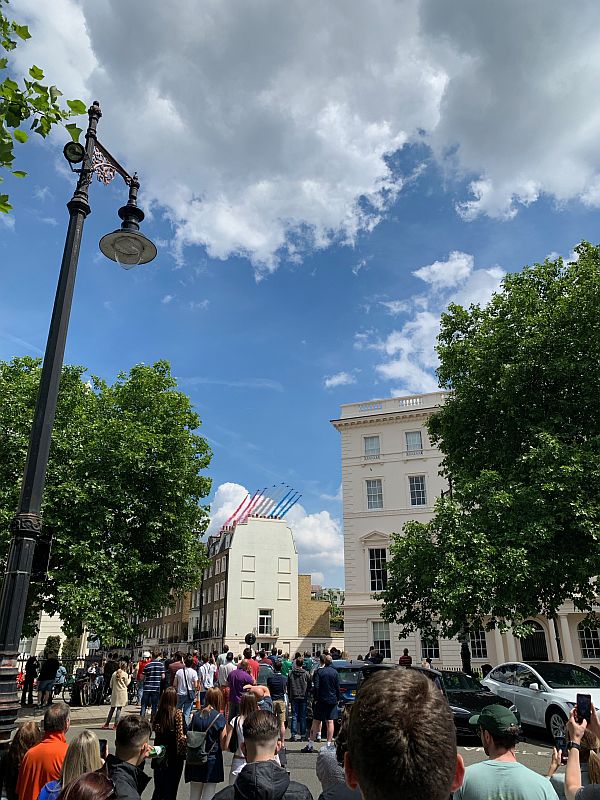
388 418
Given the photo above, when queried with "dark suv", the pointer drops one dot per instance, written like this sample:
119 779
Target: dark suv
465 695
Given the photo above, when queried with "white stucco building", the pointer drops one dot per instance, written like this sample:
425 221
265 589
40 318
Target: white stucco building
389 476
252 586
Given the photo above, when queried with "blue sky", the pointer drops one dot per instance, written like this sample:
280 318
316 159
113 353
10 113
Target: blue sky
285 282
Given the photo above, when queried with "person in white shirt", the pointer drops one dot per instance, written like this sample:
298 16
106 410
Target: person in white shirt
222 657
186 684
206 676
222 676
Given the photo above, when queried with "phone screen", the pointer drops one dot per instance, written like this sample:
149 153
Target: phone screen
584 708
103 748
561 745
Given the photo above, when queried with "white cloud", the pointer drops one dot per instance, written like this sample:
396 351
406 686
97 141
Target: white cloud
167 298
42 193
339 379
8 220
445 274
317 578
395 307
360 265
410 358
264 128
199 305
227 498
256 135
319 539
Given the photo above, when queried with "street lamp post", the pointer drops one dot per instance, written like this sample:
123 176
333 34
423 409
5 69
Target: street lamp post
128 247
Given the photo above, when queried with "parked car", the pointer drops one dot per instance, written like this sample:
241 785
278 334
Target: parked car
465 695
543 691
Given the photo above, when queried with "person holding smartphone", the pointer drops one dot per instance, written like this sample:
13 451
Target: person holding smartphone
589 760
577 726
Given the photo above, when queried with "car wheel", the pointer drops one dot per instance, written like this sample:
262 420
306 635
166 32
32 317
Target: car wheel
555 722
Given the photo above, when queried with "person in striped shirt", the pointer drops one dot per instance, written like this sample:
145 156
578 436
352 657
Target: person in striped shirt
154 673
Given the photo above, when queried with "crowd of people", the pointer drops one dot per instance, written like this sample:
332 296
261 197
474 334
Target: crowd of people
397 739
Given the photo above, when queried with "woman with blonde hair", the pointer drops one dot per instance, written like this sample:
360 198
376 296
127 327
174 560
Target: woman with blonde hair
83 755
119 682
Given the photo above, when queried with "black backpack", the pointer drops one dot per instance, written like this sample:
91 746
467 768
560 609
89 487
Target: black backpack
196 754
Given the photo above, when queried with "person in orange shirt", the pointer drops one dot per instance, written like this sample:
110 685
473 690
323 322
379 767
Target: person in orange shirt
43 762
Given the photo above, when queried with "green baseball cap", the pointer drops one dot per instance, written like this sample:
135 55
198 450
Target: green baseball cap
496 719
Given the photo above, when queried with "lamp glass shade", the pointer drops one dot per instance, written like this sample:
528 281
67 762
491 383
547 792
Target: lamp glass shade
74 152
128 248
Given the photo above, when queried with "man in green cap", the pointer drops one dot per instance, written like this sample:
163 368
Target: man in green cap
501 777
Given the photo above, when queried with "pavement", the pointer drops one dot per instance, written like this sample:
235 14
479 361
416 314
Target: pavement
534 752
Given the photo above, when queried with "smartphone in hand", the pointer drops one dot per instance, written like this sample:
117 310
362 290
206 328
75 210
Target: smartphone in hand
561 745
584 708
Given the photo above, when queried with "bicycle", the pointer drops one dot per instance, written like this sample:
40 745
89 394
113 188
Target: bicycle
67 690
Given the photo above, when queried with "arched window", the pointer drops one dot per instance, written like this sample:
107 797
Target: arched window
589 641
534 647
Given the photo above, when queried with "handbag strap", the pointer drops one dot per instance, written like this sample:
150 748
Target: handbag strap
187 686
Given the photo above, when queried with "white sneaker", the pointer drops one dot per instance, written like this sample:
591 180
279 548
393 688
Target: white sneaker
318 737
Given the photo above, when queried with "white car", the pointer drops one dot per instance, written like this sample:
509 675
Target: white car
543 691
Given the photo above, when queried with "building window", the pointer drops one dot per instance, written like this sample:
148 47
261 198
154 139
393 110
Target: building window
222 590
215 621
221 618
284 590
247 592
374 494
414 443
284 565
209 596
381 638
478 644
265 622
318 647
589 641
372 449
430 648
418 492
377 568
248 563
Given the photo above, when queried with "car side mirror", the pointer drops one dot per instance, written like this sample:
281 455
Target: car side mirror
535 687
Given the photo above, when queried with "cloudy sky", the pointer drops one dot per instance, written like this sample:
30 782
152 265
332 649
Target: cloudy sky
321 179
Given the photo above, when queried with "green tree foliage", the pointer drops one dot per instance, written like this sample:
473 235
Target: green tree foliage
52 646
33 105
122 492
336 610
68 654
521 436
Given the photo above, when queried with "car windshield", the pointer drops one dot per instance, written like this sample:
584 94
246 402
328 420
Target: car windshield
460 682
348 676
567 676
